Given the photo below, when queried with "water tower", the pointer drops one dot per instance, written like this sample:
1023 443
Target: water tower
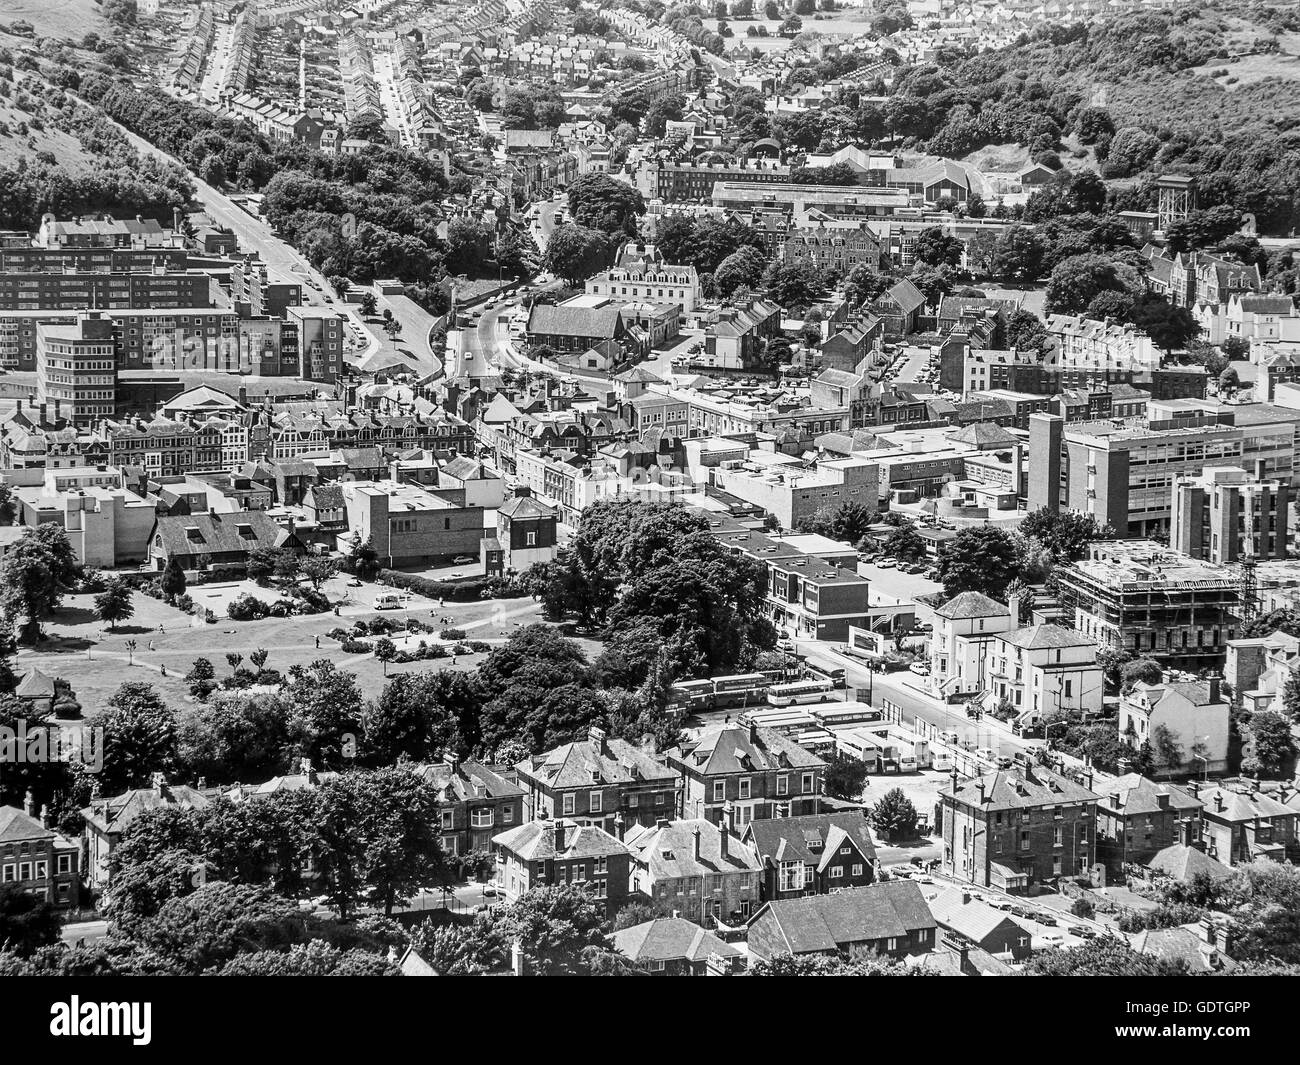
1177 199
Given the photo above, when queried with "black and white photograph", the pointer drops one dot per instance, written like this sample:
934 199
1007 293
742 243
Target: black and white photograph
623 488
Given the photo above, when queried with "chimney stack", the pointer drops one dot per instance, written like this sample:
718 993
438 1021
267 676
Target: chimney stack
695 837
559 836
724 842
620 826
597 738
29 803
753 732
1214 689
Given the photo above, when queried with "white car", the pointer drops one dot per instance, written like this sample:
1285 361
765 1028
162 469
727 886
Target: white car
886 563
920 669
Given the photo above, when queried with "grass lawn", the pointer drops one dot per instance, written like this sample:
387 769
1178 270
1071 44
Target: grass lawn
95 661
72 19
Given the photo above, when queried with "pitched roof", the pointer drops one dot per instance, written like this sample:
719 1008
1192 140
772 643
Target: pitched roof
198 534
587 762
16 825
906 295
1183 863
1138 795
115 814
733 748
1045 635
668 850
805 838
1020 789
973 918
465 781
536 841
971 605
819 923
35 685
985 435
670 939
524 507
602 322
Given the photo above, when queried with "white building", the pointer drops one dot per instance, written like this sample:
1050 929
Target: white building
1185 722
1045 669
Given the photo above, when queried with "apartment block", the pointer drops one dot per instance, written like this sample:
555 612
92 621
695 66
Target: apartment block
1224 516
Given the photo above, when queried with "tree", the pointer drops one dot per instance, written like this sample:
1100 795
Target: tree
894 817
1166 748
385 651
422 715
934 247
979 559
173 578
575 252
114 604
639 912
318 569
139 731
1105 956
554 924
324 716
845 776
1018 255
201 678
600 202
378 838
1146 670
34 569
865 283
234 737
1169 327
743 268
362 560
1271 743
905 544
1077 281
793 285
1229 380
1065 533
27 921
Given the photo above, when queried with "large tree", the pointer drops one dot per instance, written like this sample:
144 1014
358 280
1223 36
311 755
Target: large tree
603 203
1065 533
979 559
139 737
576 252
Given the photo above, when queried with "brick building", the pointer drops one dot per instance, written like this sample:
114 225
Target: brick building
695 868
1010 829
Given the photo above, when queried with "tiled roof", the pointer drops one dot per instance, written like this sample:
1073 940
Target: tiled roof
465 781
972 918
670 939
239 532
732 748
971 605
535 841
1138 795
585 763
804 838
1021 789
1045 635
668 850
1183 863
820 923
16 825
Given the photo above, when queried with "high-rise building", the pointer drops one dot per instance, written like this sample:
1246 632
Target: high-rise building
1223 516
76 371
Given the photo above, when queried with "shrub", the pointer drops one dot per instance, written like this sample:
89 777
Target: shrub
463 590
185 602
479 647
247 608
357 647
452 634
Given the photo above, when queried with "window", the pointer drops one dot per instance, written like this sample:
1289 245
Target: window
595 801
783 784
602 865
24 870
808 782
568 803
65 863
837 872
744 784
789 876
481 818
42 870
447 820
719 790
846 850
891 943
857 869
10 874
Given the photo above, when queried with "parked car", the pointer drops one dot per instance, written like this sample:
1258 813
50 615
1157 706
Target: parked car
464 560
1004 762
887 563
1045 918
1052 940
920 669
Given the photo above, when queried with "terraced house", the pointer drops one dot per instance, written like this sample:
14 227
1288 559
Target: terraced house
474 804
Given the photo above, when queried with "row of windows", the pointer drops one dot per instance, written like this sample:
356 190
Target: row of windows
744 786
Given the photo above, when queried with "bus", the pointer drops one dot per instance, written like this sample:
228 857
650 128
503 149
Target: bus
719 693
801 691
823 670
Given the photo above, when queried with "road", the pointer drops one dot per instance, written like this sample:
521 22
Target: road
412 344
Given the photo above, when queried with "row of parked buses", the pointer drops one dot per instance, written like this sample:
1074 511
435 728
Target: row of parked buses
754 689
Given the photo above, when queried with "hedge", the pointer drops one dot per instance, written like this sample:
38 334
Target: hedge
462 590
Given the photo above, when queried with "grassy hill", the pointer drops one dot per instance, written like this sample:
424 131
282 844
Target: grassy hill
68 19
